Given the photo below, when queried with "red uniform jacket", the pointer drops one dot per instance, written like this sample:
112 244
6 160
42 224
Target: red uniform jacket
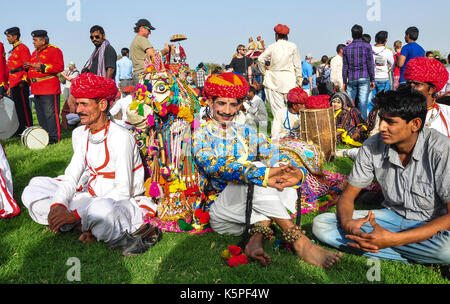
3 71
45 81
19 54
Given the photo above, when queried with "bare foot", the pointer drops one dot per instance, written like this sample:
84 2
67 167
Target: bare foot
87 238
315 255
255 251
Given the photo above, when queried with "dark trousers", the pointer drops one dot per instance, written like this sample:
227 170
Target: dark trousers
20 95
47 111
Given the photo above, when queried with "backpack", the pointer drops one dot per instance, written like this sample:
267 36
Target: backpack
324 75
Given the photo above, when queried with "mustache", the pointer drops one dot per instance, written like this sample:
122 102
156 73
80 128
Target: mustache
226 115
82 114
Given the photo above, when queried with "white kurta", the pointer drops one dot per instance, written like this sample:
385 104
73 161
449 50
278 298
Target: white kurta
100 185
435 119
8 206
122 105
291 125
284 73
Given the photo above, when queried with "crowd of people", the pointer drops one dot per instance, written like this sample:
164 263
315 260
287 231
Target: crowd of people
387 103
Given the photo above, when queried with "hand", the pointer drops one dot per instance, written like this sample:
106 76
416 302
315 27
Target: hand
284 176
8 92
379 238
59 216
344 88
372 86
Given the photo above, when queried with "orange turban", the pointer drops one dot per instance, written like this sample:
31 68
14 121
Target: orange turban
282 29
427 70
88 85
228 85
297 95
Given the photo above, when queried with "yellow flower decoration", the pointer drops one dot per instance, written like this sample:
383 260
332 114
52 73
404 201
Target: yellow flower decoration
185 113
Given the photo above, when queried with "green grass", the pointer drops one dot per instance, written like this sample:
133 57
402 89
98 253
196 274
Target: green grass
30 253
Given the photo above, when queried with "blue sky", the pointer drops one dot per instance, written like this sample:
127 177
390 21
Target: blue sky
214 28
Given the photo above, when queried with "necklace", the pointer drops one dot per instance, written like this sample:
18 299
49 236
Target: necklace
99 140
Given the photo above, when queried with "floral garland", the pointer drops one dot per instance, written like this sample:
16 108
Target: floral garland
234 256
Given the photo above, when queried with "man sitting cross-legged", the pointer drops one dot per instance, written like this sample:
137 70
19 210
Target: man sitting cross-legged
226 157
412 164
97 193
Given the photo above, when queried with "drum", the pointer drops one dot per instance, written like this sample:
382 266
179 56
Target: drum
9 123
35 138
319 127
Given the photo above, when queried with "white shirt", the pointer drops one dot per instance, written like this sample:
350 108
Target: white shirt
122 105
114 164
285 70
434 119
336 66
256 109
384 62
291 125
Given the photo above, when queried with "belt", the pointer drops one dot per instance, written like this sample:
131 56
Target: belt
38 79
13 71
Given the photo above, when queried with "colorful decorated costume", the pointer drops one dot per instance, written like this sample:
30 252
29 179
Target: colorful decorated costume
162 113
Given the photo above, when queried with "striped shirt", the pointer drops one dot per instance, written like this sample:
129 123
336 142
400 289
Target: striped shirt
358 62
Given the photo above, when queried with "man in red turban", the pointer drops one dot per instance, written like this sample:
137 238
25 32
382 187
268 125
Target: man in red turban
99 191
282 69
296 99
232 158
429 76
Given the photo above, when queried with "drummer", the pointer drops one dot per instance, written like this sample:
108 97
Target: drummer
296 101
226 156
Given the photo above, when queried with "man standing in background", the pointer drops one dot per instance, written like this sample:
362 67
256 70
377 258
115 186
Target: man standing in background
3 72
141 48
19 89
283 74
124 75
336 65
103 59
46 62
358 70
409 51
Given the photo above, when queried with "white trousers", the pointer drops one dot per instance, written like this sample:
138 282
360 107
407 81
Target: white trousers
106 218
277 102
227 213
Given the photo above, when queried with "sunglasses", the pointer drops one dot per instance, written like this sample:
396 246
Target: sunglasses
95 37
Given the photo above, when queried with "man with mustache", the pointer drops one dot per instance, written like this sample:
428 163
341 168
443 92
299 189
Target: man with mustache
45 64
98 193
411 164
231 156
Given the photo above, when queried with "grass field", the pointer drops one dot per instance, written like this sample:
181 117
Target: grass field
30 254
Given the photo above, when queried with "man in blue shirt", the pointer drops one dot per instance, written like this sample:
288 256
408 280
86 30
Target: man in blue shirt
307 73
124 67
409 51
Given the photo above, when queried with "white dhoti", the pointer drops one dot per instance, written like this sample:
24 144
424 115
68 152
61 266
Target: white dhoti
8 206
227 213
106 218
277 102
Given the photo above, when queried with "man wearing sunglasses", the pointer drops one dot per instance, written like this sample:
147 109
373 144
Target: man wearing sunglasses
141 48
103 60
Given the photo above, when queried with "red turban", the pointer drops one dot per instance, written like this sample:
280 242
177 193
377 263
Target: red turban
228 85
282 29
318 102
297 95
88 85
427 70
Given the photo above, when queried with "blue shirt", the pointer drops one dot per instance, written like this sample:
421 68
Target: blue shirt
307 72
124 69
410 51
